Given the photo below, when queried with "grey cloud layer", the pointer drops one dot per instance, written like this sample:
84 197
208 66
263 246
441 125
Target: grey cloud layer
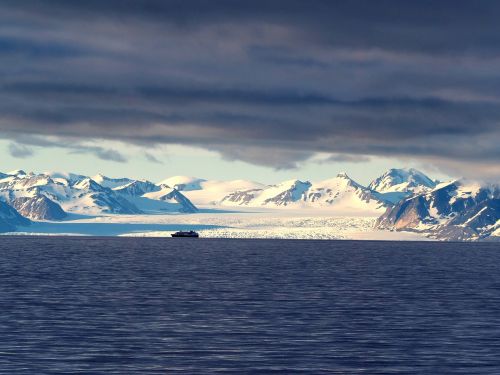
19 151
286 78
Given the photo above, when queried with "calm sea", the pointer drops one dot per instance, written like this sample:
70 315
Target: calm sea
158 306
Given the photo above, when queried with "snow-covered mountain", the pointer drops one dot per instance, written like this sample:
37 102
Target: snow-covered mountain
203 192
341 194
16 172
281 195
150 198
51 196
406 198
10 219
458 210
89 197
344 194
38 208
84 196
23 191
397 184
183 183
110 182
137 188
171 196
65 177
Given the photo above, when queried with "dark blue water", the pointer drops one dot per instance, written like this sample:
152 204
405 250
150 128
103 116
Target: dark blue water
140 306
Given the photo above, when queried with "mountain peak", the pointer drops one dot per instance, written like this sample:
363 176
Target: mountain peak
292 182
17 172
88 184
110 182
343 175
183 183
401 180
457 210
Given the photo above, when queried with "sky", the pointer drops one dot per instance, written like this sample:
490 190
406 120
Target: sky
261 90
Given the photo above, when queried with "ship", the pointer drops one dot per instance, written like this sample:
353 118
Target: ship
191 234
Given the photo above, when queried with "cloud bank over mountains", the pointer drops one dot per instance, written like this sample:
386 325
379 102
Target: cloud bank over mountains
268 82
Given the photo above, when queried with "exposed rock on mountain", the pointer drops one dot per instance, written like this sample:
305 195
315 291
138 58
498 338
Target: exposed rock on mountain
137 188
89 197
344 194
10 219
401 180
241 197
284 194
184 183
17 172
458 210
212 192
111 182
341 194
38 208
42 197
397 184
176 200
65 178
280 195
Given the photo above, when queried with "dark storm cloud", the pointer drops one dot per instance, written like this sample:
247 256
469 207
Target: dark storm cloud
151 158
101 153
345 158
19 151
426 25
268 82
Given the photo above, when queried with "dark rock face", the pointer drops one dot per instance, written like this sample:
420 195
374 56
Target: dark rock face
241 197
105 198
10 218
137 188
453 212
186 204
293 194
39 208
407 213
112 203
42 197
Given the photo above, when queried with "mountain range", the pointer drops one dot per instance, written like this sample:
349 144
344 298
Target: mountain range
341 194
458 210
402 199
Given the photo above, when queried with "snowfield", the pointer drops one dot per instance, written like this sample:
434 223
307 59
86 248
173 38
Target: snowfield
405 201
220 224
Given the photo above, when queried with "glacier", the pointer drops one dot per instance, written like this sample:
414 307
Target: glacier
400 204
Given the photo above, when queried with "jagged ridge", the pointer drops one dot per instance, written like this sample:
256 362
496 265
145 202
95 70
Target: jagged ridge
452 211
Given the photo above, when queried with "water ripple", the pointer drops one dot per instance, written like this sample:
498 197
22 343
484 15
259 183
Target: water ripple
156 306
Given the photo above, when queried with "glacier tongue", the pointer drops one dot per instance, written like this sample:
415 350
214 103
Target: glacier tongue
403 199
